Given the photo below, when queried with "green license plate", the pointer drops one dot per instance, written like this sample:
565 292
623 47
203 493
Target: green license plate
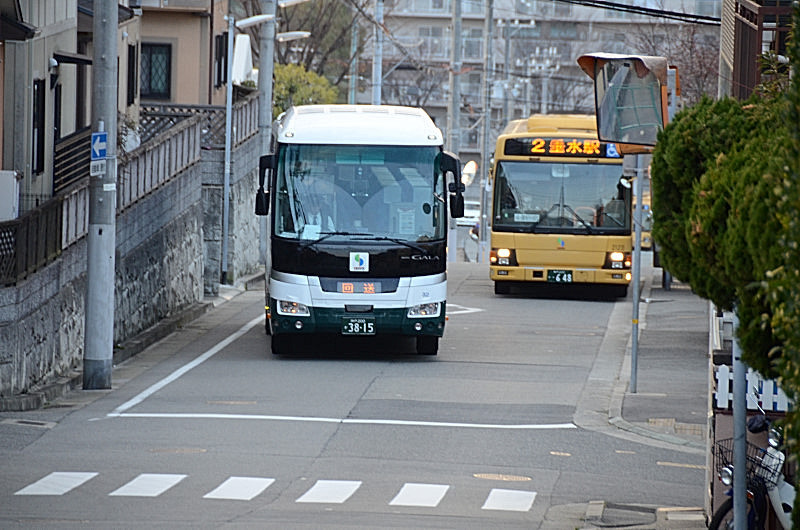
358 326
559 276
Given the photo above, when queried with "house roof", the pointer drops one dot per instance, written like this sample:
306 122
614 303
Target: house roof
12 27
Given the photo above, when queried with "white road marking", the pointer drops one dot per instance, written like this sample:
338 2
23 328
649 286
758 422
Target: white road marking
509 500
428 495
240 488
462 310
186 367
56 483
330 491
345 421
120 412
147 485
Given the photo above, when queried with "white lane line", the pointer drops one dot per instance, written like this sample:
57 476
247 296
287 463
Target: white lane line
56 483
346 421
426 495
240 488
509 500
147 485
186 367
330 491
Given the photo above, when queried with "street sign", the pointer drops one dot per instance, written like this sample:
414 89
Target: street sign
99 144
97 167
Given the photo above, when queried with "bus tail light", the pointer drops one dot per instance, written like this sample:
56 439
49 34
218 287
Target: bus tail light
503 256
617 260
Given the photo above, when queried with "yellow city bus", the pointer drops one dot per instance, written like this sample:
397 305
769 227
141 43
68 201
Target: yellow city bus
561 207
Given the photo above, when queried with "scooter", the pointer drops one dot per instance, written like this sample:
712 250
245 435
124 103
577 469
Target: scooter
766 483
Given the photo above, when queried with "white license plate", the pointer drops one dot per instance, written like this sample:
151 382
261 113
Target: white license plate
358 326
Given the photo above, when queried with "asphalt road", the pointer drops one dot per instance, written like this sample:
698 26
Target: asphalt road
206 429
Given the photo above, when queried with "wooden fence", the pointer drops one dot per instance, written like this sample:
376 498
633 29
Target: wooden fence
763 392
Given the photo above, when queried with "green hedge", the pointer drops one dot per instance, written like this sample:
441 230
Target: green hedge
726 217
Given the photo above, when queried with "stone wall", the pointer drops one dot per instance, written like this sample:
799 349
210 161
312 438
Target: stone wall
168 256
243 226
158 261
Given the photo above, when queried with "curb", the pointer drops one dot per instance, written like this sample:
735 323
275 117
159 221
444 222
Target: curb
623 380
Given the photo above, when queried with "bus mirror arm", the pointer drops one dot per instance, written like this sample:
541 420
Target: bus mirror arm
451 164
266 162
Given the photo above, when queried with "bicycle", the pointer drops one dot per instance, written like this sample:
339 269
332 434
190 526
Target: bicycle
766 483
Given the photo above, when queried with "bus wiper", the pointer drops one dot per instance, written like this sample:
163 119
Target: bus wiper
395 240
326 235
569 209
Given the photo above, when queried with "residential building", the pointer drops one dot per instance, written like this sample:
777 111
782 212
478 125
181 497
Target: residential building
750 28
184 51
533 55
46 58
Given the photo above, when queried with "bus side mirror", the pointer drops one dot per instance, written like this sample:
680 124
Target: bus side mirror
266 162
451 164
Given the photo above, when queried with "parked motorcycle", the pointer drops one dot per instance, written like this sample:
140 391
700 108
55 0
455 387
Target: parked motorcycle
766 484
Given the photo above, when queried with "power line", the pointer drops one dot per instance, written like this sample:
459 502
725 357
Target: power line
660 13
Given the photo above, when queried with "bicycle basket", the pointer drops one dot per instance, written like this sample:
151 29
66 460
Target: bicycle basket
757 468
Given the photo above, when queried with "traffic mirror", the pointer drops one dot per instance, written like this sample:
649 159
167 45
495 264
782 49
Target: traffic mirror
630 96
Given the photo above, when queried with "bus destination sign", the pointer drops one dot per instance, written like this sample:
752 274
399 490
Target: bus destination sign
561 147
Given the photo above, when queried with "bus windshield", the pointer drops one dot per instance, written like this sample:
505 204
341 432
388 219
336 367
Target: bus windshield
343 191
555 197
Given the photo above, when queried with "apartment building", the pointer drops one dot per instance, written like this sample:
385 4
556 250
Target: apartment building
533 52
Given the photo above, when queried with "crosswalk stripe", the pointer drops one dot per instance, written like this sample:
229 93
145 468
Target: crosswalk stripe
509 500
330 491
240 488
411 494
56 483
147 485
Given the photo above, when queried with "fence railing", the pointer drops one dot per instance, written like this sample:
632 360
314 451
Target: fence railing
36 238
71 159
762 392
30 242
244 120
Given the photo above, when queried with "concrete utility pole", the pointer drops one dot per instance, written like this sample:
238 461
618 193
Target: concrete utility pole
488 27
266 58
454 115
226 186
377 59
98 354
353 85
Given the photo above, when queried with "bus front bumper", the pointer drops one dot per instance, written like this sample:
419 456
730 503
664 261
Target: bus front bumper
552 275
377 321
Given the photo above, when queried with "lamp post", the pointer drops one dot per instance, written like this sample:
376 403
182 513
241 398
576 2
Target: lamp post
264 107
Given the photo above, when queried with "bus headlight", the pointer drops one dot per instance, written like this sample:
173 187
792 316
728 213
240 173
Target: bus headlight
617 260
503 256
293 308
424 310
